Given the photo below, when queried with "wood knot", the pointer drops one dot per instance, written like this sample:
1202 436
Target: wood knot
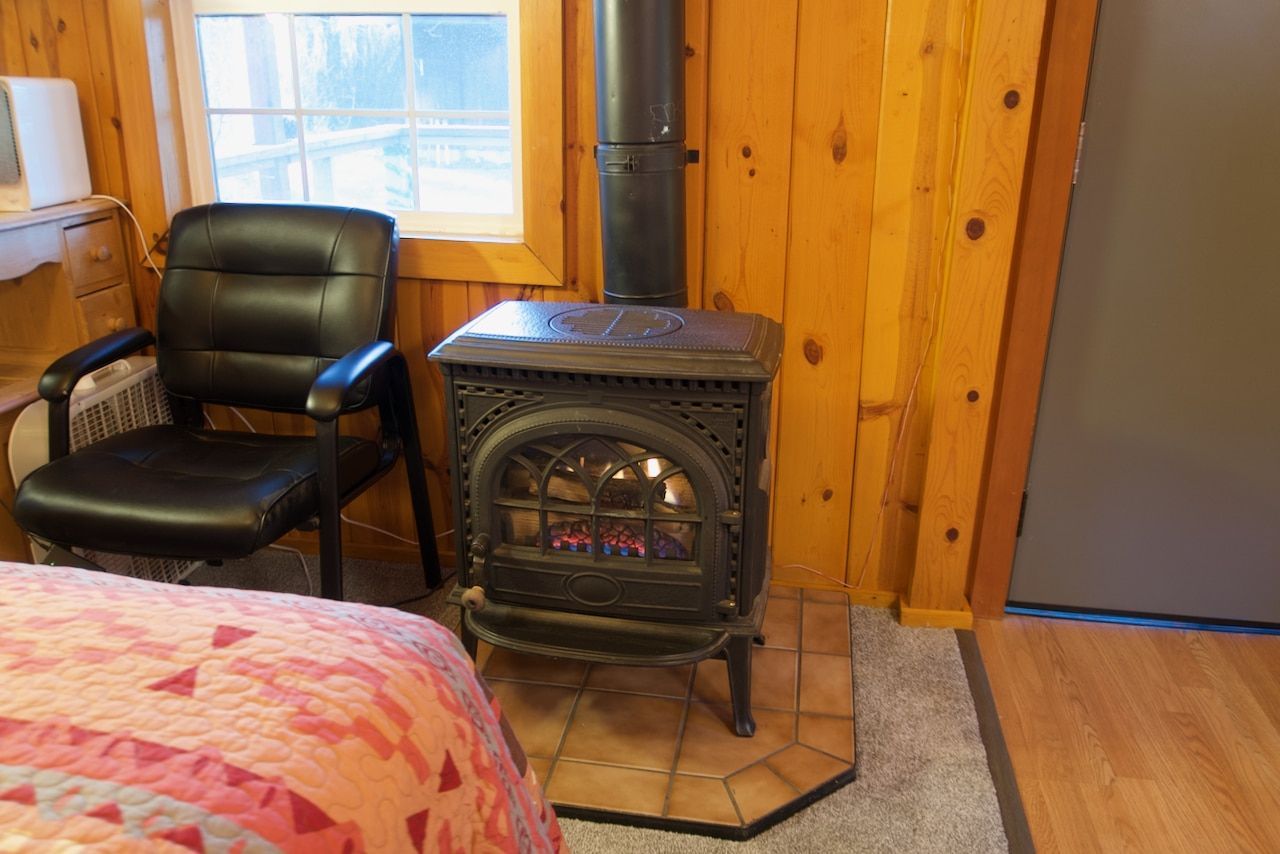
827 494
1012 99
975 228
722 302
689 51
751 173
33 41
115 122
839 144
972 396
928 48
746 151
952 535
812 351
62 26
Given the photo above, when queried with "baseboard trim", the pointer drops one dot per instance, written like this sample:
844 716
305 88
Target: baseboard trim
933 618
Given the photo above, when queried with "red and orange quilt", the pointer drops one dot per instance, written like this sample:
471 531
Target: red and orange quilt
141 716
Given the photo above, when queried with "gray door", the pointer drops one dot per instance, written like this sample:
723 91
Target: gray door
1155 477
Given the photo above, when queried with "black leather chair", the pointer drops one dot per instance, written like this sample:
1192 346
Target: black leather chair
280 307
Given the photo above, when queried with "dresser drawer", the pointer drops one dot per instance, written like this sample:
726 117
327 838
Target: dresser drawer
106 311
95 253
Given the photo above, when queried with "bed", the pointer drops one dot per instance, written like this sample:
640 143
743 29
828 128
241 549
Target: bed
141 716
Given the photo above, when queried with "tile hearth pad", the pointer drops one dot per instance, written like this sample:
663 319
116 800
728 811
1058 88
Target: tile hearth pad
655 745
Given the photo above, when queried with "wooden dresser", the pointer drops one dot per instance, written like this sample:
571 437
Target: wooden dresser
64 281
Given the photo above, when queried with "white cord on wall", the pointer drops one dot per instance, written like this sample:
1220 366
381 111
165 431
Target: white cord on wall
142 237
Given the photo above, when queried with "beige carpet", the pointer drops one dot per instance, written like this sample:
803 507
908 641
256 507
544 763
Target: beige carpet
923 780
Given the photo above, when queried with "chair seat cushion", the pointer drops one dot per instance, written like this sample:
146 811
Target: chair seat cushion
170 491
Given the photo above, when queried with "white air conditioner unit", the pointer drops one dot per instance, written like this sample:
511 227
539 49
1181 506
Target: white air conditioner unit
42 152
119 397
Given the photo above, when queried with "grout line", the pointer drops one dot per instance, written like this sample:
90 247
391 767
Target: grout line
742 821
568 722
675 758
605 763
795 733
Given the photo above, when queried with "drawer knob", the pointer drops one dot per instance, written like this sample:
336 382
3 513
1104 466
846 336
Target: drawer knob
102 253
115 324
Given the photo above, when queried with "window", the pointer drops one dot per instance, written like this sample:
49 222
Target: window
410 106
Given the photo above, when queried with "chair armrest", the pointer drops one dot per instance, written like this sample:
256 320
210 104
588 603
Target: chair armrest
329 392
61 377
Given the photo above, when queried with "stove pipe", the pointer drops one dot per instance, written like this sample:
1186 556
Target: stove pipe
641 155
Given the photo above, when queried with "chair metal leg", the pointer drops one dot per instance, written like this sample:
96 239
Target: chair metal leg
330 511
407 425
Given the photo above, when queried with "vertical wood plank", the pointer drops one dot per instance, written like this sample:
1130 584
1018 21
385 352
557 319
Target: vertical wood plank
696 37
922 93
586 261
126 21
833 163
1007 44
748 155
13 62
104 89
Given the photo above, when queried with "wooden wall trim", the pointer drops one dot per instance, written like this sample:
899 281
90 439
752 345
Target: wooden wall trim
995 131
1069 47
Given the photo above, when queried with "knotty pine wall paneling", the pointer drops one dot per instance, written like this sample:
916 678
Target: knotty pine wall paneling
843 148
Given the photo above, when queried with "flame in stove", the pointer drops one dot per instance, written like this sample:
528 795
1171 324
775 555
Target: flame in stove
652 467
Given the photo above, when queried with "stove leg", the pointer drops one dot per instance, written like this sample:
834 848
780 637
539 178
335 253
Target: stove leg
469 641
759 640
738 656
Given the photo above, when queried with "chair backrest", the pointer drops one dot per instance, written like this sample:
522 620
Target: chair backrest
258 299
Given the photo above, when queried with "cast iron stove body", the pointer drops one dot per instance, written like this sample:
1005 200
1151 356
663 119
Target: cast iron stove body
611 483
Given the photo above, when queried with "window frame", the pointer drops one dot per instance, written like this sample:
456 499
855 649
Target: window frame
537 257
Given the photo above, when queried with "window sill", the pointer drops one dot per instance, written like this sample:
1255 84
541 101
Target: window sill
506 262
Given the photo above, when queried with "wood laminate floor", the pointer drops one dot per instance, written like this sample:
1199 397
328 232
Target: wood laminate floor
1139 739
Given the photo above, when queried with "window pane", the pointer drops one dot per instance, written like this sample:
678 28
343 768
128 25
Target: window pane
360 161
460 62
464 165
256 158
245 61
350 62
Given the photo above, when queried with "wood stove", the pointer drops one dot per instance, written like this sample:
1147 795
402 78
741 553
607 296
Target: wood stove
611 482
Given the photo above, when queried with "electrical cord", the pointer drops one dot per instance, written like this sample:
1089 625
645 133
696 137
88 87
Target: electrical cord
306 570
142 237
343 516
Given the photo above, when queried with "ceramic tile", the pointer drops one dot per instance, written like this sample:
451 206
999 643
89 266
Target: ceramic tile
541 766
826 628
506 664
660 681
758 791
624 729
833 596
710 745
834 735
538 713
483 651
826 685
711 682
773 680
804 767
782 623
777 591
701 799
605 787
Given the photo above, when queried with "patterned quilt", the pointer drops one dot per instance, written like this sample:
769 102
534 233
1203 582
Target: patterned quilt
140 716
